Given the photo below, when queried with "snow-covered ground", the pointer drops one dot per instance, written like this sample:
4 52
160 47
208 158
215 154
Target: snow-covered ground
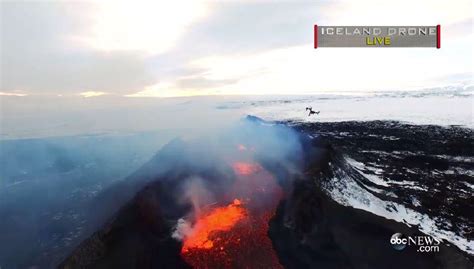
346 192
424 107
39 116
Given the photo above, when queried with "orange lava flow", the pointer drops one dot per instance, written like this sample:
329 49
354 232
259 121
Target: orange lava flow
236 235
219 219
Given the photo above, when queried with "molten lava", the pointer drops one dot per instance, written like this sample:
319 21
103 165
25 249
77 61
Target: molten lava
235 236
219 219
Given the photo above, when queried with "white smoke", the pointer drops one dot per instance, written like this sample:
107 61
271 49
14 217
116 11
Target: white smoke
195 193
182 229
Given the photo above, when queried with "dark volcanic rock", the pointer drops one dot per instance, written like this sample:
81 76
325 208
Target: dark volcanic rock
423 167
138 237
320 233
325 234
309 229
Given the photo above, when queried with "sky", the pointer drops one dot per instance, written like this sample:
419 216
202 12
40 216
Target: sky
186 48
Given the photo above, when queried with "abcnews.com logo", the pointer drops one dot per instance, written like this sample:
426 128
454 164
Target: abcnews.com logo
422 243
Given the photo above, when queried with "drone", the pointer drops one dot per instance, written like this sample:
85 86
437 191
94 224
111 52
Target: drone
311 112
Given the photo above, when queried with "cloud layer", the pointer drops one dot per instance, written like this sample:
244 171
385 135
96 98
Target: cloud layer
150 48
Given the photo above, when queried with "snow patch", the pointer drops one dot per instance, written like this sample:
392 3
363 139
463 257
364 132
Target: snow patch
346 192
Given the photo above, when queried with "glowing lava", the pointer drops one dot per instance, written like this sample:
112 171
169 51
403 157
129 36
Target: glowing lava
236 236
219 219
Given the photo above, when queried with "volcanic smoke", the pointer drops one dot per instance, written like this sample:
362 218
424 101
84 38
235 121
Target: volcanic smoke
235 235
